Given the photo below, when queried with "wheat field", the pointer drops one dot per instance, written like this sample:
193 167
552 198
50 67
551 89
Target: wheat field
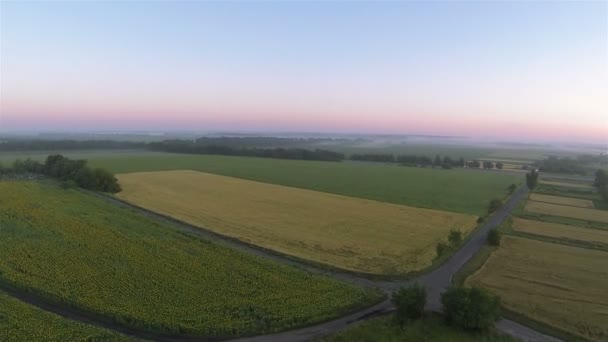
575 202
567 211
344 232
560 231
559 285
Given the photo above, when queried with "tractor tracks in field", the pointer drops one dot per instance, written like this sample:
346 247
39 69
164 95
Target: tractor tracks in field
436 281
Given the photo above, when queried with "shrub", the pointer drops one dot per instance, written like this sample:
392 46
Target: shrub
494 237
470 308
480 219
410 302
441 248
512 188
455 237
494 205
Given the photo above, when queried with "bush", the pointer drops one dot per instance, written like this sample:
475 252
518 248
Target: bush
494 205
470 308
494 237
512 188
410 302
441 248
480 219
455 237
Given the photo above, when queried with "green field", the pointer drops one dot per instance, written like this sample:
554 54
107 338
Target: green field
77 249
419 187
23 322
430 329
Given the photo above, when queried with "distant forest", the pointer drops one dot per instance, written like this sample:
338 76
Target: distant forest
291 148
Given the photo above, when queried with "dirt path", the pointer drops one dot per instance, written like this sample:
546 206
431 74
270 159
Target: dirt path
436 282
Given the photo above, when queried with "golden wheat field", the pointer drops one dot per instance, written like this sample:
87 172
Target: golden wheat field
567 211
559 285
567 184
344 232
575 202
560 231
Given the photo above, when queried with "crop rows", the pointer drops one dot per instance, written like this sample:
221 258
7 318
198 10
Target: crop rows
82 251
23 322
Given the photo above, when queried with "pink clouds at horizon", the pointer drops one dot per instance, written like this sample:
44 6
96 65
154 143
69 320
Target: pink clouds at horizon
414 122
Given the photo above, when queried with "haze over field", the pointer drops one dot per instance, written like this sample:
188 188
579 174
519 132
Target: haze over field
505 70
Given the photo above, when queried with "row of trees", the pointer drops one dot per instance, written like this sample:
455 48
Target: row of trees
425 161
469 308
568 165
69 171
184 146
601 183
411 160
56 145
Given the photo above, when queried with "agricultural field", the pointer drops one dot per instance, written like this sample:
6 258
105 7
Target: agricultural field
419 187
560 231
567 184
79 250
567 211
430 329
22 322
575 202
344 232
564 191
539 279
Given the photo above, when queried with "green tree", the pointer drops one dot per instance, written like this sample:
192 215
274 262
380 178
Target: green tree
499 165
494 237
441 248
532 179
410 302
494 205
437 161
470 308
512 188
455 237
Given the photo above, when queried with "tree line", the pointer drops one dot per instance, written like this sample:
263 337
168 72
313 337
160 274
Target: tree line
56 145
569 165
247 146
70 172
425 161
601 183
194 147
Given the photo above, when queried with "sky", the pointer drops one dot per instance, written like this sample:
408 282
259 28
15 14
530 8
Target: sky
519 70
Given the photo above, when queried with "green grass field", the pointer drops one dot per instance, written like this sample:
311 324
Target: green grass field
74 248
23 322
430 329
420 187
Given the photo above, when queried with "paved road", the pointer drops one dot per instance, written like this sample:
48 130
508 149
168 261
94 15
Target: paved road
436 282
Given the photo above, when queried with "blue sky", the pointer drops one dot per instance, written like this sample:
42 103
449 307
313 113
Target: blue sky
466 68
